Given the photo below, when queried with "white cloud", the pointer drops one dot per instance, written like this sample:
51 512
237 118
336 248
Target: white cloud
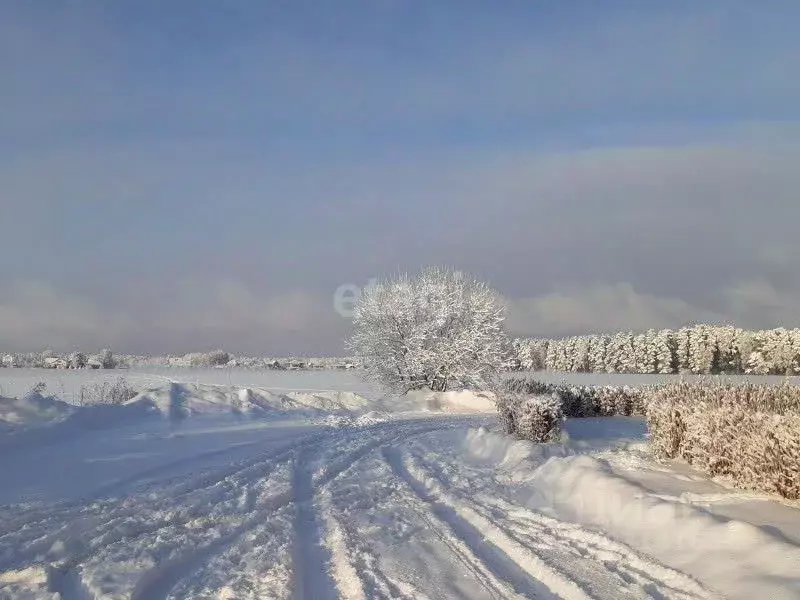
197 315
233 305
576 309
193 315
762 304
35 314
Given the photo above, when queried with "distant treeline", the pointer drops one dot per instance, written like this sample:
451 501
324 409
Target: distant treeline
216 358
699 349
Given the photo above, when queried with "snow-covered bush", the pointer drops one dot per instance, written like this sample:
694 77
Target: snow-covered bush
539 418
215 358
586 401
749 434
107 393
535 418
431 331
38 388
218 358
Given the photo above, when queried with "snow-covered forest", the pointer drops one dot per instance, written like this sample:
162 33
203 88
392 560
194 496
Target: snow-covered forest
699 349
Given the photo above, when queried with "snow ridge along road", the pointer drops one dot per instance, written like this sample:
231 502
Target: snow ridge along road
311 512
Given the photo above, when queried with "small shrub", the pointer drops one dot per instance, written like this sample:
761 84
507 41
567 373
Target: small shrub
39 388
107 393
535 418
539 418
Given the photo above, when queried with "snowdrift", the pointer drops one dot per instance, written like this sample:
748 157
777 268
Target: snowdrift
35 420
178 401
742 557
460 401
32 409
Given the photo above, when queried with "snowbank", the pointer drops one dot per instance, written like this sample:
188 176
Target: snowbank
178 401
742 558
32 409
462 401
34 421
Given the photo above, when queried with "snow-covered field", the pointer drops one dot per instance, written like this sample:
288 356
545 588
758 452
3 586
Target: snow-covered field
312 485
66 384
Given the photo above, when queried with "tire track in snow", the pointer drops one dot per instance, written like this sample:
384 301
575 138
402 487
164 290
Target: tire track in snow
632 568
312 579
355 566
92 531
115 527
578 553
109 531
501 576
346 576
72 509
159 581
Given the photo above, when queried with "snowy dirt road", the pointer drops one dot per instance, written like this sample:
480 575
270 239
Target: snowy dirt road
386 510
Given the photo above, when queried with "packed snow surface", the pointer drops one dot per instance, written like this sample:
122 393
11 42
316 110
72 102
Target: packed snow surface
198 489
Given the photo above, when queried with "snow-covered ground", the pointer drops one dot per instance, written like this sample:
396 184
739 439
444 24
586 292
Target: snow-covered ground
66 384
200 489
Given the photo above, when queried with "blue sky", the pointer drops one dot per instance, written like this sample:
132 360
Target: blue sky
196 174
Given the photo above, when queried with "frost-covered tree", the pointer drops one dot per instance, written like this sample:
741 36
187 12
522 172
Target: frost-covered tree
794 336
538 349
107 359
597 353
614 353
756 364
623 354
651 354
558 356
218 358
641 354
702 348
518 355
729 360
77 360
620 354
581 354
683 350
748 342
777 351
550 355
437 329
665 351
